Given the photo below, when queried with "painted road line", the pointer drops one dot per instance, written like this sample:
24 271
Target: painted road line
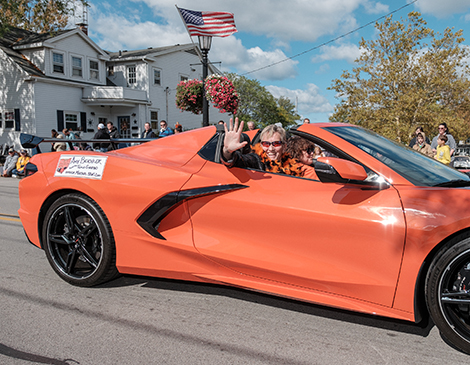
9 217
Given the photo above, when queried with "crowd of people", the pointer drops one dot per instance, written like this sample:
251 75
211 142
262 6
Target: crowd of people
442 147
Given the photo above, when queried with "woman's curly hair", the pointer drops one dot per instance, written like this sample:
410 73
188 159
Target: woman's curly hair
296 144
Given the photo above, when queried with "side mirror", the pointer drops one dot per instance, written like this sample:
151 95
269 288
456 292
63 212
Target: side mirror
333 169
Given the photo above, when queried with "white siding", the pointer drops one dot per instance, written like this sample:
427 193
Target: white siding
77 47
15 94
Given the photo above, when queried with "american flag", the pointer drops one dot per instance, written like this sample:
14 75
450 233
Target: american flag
208 23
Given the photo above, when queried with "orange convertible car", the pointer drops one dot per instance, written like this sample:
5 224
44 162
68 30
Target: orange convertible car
384 230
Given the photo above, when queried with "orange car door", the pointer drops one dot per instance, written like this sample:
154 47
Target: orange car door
335 238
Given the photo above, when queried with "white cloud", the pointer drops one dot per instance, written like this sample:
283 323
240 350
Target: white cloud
308 101
347 52
441 8
375 8
233 54
116 32
304 20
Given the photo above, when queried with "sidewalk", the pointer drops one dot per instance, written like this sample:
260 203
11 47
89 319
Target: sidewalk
9 200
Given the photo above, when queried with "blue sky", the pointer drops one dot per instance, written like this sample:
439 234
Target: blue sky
270 31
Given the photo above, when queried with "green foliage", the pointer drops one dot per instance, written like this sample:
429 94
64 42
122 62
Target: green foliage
409 76
39 16
287 111
256 103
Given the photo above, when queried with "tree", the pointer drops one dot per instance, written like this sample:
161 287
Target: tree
409 76
286 111
39 16
256 103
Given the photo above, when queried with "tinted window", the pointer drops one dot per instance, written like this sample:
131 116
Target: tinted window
412 165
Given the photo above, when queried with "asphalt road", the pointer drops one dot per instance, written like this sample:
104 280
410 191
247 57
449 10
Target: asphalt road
133 320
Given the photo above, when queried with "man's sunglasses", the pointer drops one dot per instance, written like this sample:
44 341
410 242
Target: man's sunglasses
275 143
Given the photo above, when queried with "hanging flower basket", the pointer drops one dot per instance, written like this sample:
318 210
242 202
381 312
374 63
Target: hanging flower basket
220 91
189 96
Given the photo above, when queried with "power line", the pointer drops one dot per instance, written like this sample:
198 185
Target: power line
331 41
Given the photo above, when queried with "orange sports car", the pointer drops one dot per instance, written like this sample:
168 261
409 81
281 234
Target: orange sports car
384 230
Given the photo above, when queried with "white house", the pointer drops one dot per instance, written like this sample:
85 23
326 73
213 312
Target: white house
64 80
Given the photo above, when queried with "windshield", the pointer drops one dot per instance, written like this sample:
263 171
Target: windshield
418 169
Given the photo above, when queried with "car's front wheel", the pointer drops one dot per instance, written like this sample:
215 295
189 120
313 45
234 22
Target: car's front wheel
78 241
448 292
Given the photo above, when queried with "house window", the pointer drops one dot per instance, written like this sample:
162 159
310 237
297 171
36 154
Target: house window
71 121
154 120
77 66
9 119
94 70
103 120
157 77
110 70
131 75
184 78
58 62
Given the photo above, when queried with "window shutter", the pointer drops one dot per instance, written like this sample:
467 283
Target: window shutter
83 121
60 120
17 120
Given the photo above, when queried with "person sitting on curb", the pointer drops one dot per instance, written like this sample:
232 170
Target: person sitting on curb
10 163
18 172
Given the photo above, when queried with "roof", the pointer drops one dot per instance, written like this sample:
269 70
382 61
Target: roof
125 55
15 36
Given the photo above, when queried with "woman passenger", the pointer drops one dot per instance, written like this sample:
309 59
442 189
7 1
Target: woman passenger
302 150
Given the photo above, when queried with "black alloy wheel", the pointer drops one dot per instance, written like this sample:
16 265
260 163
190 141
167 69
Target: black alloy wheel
448 292
78 241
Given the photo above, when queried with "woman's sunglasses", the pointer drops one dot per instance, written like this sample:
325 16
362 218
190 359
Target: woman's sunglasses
267 144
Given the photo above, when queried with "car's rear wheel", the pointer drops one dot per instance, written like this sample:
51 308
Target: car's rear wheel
78 241
448 292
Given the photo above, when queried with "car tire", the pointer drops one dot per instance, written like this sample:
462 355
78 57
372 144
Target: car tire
447 292
79 242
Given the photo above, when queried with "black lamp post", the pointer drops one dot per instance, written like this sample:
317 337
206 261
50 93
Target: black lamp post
205 45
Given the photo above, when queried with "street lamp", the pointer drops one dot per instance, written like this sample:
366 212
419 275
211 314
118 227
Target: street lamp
205 45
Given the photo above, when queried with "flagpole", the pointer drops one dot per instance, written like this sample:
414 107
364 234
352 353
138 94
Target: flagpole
204 60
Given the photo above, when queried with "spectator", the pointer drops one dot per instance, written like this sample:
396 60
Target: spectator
10 163
306 121
443 150
269 155
113 134
221 122
164 129
422 146
178 128
54 134
101 134
60 146
148 132
69 135
413 140
251 125
317 152
112 130
302 150
20 164
444 131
